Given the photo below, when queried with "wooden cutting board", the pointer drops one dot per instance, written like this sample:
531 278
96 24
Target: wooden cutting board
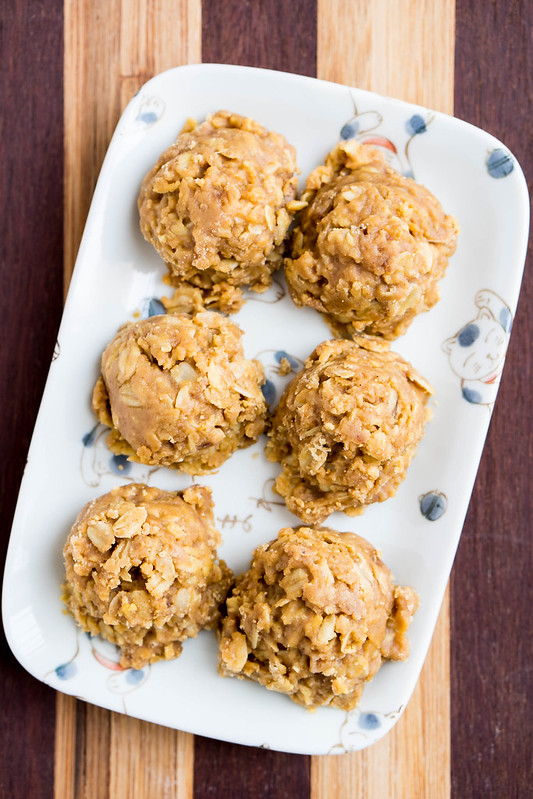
404 49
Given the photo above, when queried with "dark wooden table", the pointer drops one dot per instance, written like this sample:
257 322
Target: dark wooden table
491 597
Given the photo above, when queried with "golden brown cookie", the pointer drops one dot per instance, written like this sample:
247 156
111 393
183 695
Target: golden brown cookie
346 428
177 391
142 571
371 245
314 617
218 203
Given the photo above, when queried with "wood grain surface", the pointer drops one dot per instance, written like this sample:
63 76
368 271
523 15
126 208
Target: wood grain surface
354 47
98 753
67 71
492 623
31 220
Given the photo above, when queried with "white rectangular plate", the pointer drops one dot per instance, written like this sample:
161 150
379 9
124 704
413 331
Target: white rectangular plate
118 274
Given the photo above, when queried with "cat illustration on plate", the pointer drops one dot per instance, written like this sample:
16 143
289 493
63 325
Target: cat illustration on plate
363 125
367 726
477 351
97 460
121 680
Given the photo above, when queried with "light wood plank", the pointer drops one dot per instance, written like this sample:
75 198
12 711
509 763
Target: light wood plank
405 49
81 763
150 759
92 753
413 760
65 754
111 48
401 48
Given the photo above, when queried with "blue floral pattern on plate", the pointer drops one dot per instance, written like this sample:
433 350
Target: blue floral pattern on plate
499 163
433 505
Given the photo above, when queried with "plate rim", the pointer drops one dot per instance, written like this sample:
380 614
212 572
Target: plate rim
521 194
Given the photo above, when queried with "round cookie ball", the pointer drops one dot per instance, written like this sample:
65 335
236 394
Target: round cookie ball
176 390
218 203
371 245
142 571
314 617
346 428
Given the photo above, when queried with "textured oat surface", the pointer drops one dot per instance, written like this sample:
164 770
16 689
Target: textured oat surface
218 203
346 428
177 391
141 570
370 247
314 617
